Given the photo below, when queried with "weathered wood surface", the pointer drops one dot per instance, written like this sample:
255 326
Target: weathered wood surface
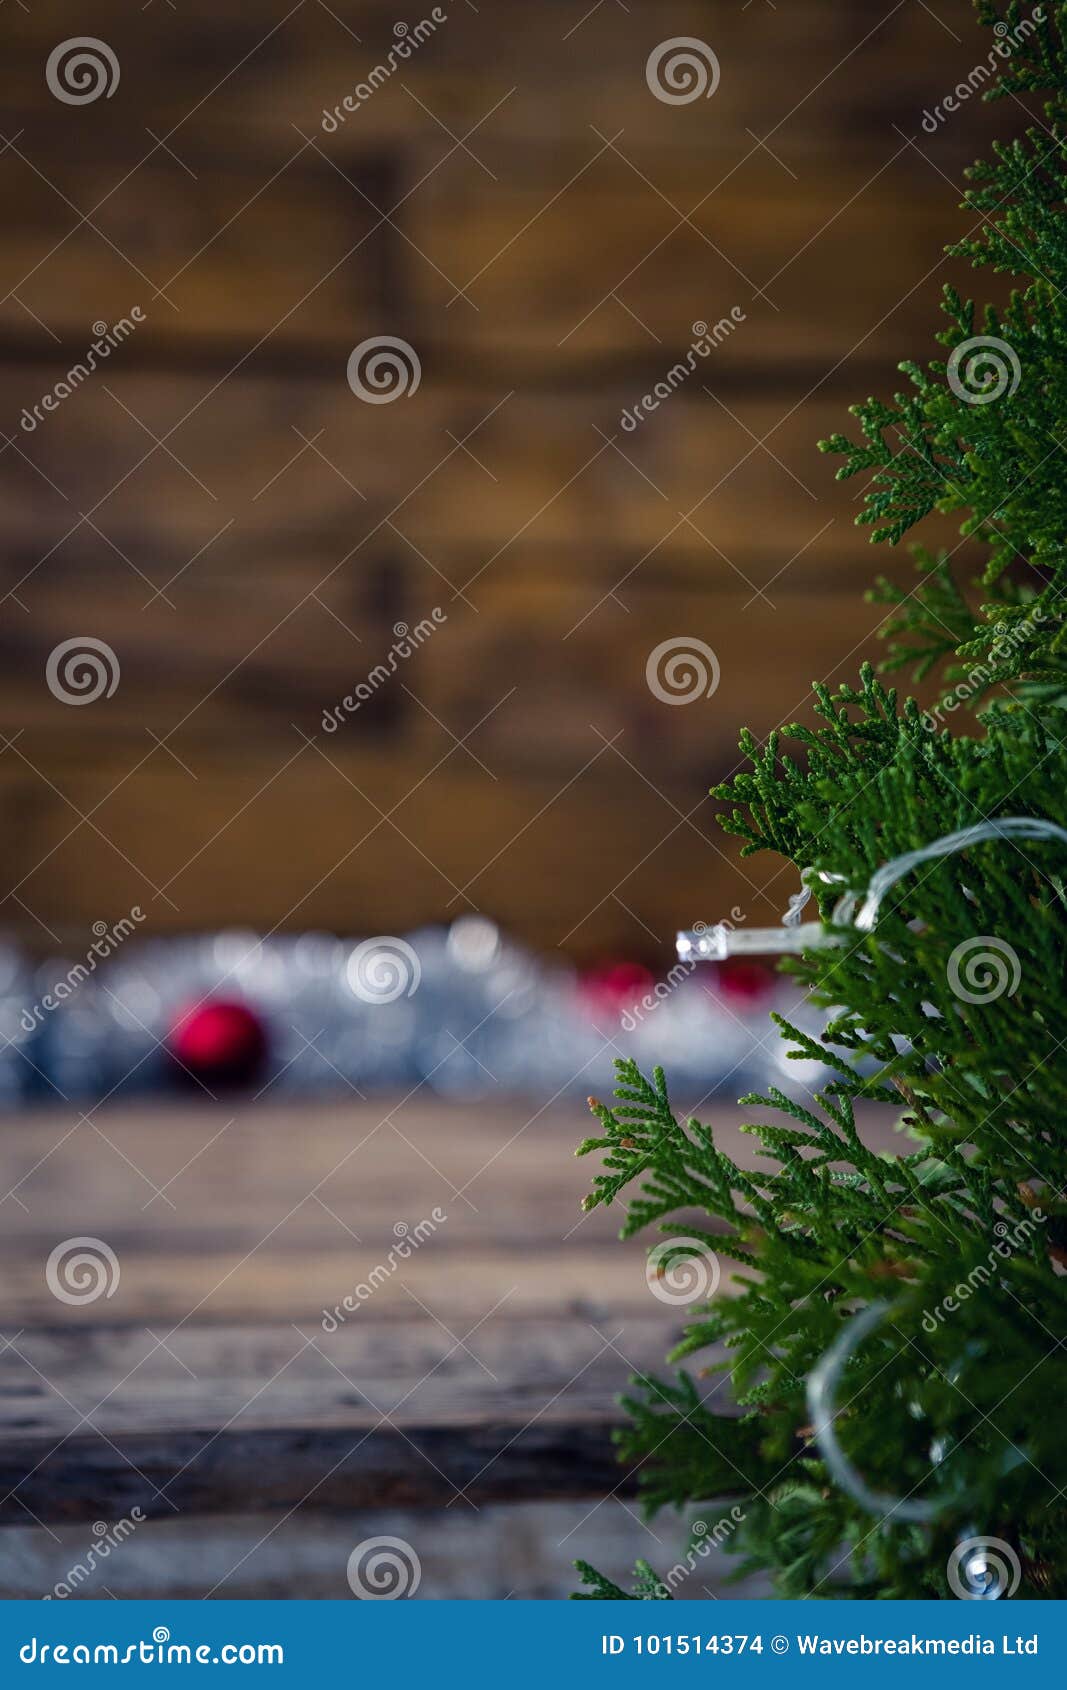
484 1366
248 575
504 1550
355 1465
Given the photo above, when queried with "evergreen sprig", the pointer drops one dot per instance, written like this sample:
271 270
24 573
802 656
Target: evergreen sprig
962 1234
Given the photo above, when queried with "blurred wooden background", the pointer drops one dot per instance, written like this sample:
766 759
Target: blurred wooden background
218 506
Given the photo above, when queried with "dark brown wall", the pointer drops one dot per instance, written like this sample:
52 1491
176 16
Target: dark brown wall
547 270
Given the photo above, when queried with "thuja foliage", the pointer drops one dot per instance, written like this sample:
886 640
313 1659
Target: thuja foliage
955 1397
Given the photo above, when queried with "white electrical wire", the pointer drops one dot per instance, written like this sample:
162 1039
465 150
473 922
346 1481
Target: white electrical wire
715 944
821 1387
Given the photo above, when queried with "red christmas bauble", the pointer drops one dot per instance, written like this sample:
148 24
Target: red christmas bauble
745 984
611 988
222 1042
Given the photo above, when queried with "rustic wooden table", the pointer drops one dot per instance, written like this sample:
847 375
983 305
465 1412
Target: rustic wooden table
201 1377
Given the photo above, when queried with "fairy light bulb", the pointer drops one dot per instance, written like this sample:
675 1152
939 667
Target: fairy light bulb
715 944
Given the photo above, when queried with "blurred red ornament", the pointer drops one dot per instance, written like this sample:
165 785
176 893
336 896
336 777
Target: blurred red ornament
611 988
746 985
221 1043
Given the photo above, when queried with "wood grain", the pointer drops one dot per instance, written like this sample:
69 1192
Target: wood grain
227 1371
245 533
269 1418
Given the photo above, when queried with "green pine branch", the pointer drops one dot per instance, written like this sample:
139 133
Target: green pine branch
949 1013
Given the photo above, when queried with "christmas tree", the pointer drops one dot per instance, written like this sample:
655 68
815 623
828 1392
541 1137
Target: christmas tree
892 1344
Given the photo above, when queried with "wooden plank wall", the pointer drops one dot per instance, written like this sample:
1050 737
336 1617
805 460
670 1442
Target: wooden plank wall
244 532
